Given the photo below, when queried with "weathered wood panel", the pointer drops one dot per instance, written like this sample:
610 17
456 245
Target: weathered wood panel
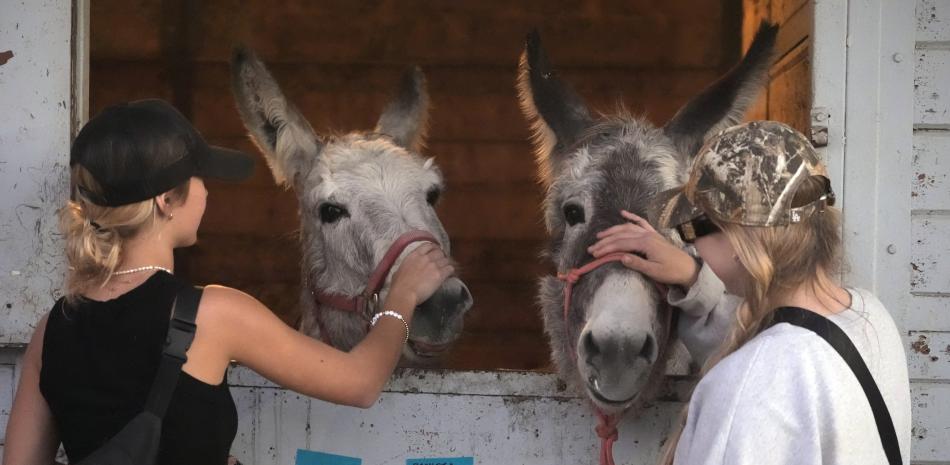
782 10
11 359
928 312
482 350
930 259
35 129
928 315
789 93
932 87
931 182
931 435
787 97
304 31
509 417
127 30
933 20
928 355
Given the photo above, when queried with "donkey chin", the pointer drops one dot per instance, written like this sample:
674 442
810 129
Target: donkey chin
438 322
617 348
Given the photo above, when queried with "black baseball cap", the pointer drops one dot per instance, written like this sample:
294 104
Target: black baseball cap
139 150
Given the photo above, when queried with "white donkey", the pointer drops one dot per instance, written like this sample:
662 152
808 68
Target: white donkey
359 193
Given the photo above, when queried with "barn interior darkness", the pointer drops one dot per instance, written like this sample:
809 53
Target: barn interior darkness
338 60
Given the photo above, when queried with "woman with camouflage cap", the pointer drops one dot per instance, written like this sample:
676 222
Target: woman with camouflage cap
758 209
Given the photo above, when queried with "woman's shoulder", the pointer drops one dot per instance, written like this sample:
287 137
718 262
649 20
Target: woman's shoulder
228 308
771 361
220 293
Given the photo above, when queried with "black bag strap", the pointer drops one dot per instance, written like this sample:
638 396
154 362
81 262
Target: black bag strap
837 338
181 332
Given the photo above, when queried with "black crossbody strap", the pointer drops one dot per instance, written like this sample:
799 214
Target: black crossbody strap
837 338
181 332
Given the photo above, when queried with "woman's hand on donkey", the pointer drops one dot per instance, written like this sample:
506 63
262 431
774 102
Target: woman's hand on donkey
420 274
647 252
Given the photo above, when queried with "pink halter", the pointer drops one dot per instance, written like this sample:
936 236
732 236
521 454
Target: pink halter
367 301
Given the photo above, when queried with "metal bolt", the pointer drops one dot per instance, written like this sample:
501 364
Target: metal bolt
892 249
897 57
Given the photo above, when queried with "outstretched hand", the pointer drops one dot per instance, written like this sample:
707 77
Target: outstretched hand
647 252
421 273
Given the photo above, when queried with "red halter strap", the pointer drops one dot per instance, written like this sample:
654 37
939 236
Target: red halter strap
606 424
360 304
575 274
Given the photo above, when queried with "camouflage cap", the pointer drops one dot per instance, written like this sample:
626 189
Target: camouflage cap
747 174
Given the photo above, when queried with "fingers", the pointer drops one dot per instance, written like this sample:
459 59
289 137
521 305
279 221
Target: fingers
639 264
619 229
620 243
637 220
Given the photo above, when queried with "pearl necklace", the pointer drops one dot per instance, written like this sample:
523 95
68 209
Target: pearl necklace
140 269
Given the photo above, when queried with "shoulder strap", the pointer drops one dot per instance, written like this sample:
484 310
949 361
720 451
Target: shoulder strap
837 338
181 332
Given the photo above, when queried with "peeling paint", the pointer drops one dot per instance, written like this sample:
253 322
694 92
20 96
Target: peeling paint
5 57
920 346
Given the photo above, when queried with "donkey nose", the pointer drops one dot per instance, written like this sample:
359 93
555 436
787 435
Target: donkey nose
613 349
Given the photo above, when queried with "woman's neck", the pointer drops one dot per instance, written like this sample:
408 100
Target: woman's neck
146 250
822 295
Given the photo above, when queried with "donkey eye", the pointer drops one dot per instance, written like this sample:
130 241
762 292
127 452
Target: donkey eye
330 213
433 196
574 214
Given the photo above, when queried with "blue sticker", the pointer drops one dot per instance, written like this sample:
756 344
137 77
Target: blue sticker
309 457
445 461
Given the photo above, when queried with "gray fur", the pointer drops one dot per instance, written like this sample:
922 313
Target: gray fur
382 185
406 118
616 162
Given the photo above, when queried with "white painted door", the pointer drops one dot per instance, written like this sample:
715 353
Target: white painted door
882 81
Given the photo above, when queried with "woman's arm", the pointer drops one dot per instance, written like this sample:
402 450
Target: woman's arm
254 337
31 435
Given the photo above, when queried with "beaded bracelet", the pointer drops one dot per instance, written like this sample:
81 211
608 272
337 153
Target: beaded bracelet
393 314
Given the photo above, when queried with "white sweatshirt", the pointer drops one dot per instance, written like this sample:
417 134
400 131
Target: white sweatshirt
787 397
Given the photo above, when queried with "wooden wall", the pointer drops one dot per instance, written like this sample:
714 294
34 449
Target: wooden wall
339 59
788 97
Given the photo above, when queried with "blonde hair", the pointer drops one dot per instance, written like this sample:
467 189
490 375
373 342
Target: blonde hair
95 235
779 261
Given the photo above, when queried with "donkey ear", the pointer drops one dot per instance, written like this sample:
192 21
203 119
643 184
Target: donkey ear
275 125
406 116
558 115
724 103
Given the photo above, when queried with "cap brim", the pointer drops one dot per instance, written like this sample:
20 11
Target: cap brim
226 164
674 209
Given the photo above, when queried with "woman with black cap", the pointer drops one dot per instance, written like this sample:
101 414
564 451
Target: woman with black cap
763 301
138 194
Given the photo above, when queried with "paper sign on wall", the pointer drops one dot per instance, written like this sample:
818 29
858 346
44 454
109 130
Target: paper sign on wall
309 457
443 461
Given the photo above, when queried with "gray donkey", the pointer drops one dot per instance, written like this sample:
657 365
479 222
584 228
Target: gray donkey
357 193
611 337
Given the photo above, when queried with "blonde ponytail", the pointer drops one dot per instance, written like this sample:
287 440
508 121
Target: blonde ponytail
95 235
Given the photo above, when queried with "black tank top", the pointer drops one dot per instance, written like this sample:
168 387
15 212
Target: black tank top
99 361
